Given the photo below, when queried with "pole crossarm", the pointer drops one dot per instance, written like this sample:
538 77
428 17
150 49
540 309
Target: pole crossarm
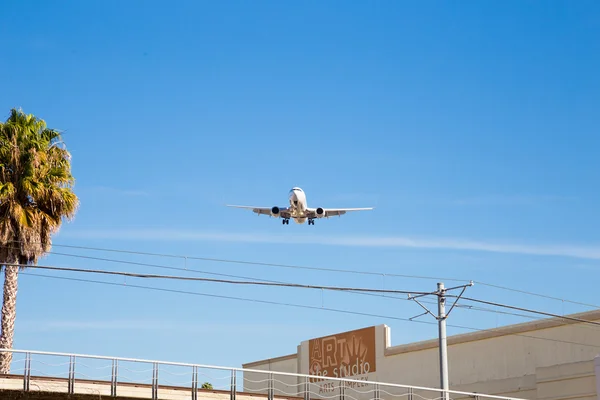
464 287
471 283
427 311
438 293
417 316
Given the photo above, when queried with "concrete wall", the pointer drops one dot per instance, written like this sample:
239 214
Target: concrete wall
43 388
256 382
510 361
574 380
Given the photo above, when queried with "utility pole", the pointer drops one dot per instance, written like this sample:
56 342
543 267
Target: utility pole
442 338
441 318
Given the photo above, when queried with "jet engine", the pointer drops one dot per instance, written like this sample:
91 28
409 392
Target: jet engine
320 212
275 211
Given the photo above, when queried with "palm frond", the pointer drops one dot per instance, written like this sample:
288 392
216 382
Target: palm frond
36 186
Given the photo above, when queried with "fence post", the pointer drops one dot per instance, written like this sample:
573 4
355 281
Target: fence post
377 393
270 391
410 393
113 380
27 372
71 382
306 388
342 390
233 384
194 382
155 381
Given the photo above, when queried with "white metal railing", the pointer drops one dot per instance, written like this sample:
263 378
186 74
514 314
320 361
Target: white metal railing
81 369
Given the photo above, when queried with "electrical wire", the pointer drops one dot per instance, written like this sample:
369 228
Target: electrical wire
190 278
262 264
528 310
545 296
350 290
187 269
291 285
302 306
337 270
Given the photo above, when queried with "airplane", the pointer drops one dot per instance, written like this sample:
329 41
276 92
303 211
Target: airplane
299 210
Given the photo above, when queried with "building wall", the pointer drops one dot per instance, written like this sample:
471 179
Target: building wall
45 388
506 361
256 382
573 380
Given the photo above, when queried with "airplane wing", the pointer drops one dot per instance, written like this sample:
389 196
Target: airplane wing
283 211
331 212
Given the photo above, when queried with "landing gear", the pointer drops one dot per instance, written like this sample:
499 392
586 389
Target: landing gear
311 221
285 221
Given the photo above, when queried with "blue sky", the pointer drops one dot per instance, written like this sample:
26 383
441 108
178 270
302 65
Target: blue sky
471 127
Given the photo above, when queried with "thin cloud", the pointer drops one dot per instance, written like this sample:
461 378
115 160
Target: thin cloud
566 250
510 200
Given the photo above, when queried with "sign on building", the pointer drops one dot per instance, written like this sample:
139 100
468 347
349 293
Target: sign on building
344 355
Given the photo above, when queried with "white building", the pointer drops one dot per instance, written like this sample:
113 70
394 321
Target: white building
550 359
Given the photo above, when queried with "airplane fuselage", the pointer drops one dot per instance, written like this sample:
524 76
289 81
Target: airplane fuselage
298 205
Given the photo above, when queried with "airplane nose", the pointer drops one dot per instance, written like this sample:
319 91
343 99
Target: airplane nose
294 198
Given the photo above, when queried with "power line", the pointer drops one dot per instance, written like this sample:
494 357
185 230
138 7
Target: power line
545 296
528 310
187 269
161 266
349 290
229 297
302 306
290 285
337 270
190 278
263 264
322 269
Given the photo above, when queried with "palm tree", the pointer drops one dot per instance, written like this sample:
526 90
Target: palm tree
35 195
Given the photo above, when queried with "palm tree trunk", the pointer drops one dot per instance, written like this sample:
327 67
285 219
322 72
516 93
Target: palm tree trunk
9 314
